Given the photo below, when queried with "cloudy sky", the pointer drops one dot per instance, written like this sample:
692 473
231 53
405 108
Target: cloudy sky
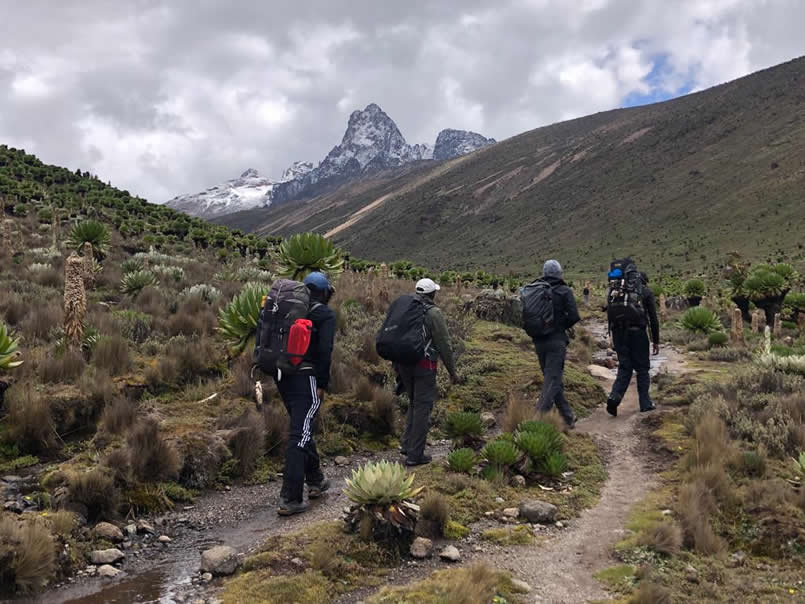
167 97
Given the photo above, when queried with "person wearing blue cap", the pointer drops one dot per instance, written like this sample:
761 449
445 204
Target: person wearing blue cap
302 394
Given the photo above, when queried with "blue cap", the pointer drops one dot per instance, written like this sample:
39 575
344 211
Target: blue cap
318 280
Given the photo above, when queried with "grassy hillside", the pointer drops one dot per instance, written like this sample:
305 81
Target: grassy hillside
676 184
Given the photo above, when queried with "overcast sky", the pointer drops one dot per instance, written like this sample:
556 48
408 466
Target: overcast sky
168 97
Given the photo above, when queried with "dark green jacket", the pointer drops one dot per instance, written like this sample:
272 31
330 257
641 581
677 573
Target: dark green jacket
440 346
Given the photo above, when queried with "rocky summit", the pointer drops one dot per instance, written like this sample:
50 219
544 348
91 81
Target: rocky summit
455 143
371 143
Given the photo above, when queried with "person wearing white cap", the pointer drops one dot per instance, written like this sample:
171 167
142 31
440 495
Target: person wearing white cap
419 380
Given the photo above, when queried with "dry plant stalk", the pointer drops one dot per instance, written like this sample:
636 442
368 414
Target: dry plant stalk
75 300
737 331
89 273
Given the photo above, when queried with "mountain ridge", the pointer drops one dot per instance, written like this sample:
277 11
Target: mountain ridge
371 143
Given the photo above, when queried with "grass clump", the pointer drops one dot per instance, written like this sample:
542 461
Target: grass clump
509 535
152 458
434 514
30 422
27 555
717 339
96 491
111 354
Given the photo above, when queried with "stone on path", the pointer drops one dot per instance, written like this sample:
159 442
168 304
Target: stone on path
131 529
219 560
521 586
164 539
341 460
511 512
539 512
145 527
108 571
518 481
106 556
206 577
451 554
421 548
108 531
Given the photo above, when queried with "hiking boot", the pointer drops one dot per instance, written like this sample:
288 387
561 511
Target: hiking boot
572 424
612 408
425 459
289 508
316 490
650 408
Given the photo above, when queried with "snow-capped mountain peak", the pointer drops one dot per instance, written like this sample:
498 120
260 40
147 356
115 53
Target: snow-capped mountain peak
372 142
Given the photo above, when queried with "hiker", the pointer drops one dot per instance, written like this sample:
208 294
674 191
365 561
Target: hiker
586 293
302 392
630 310
414 337
549 311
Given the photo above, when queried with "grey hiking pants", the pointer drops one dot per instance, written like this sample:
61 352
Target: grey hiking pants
551 352
420 386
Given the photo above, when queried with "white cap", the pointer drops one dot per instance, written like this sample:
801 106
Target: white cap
426 286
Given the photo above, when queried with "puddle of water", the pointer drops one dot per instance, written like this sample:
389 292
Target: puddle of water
146 588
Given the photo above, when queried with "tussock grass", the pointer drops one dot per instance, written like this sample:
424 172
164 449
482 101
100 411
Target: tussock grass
151 456
27 555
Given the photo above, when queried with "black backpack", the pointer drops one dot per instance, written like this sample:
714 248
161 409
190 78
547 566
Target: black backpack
625 306
538 309
402 337
283 328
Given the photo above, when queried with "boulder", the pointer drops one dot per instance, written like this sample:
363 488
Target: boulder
106 556
219 560
341 460
108 571
488 419
422 548
451 554
106 530
538 512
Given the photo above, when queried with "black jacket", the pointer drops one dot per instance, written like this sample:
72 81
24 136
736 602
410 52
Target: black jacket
319 355
565 312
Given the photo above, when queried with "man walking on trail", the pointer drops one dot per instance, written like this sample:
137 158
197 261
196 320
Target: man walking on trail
419 380
302 394
629 334
549 311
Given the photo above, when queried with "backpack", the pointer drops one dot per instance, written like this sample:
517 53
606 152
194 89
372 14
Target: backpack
538 309
403 338
625 302
283 328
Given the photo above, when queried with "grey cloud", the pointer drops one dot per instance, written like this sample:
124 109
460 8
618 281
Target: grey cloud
166 97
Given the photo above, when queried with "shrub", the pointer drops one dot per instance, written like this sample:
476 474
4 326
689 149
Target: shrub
9 355
63 523
542 443
133 325
717 339
186 323
729 355
133 283
152 457
237 321
461 460
27 555
119 416
304 253
695 505
650 593
753 463
112 354
364 389
663 537
202 291
132 265
712 444
30 423
762 283
500 454
700 320
92 232
460 424
96 491
381 493
694 289
434 515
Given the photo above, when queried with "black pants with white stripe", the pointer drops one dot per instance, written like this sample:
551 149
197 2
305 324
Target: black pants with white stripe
301 458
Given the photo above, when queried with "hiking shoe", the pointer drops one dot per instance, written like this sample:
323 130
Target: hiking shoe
289 508
647 409
403 451
314 491
612 408
425 459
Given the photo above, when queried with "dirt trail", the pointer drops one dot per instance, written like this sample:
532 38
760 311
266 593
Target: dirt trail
561 570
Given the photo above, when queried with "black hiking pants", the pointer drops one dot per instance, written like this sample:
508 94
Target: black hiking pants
301 458
420 386
632 346
551 352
